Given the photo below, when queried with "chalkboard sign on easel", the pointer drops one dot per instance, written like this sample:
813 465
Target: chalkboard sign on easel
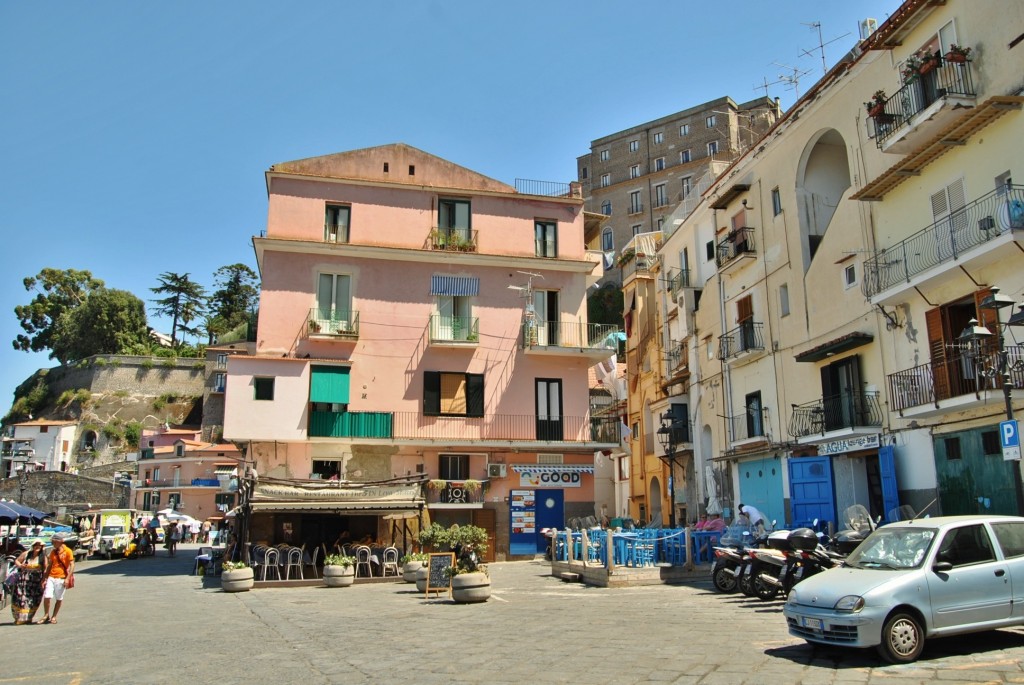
437 579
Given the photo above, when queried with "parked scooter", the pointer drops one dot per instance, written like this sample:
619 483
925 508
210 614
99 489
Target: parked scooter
764 566
729 555
809 555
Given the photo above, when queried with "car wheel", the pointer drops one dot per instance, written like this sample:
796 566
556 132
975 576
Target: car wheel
902 639
723 579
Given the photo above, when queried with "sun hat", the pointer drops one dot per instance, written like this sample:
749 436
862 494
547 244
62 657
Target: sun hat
37 541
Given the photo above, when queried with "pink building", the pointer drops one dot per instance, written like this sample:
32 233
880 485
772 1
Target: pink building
420 321
189 476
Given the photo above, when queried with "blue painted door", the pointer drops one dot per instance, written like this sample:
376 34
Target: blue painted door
811 492
761 486
550 506
887 474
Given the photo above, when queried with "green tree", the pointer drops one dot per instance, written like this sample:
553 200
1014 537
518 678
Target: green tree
57 292
236 295
605 305
108 322
185 302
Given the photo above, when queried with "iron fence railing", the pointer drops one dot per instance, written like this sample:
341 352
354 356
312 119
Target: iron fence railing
454 329
748 336
454 239
960 374
338 324
846 410
748 424
677 356
950 78
983 219
679 279
738 242
509 427
456 491
545 188
640 263
570 334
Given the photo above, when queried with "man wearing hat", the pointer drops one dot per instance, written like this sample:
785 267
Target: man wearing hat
59 575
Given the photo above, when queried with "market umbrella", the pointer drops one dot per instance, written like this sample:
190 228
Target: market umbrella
180 518
8 516
27 513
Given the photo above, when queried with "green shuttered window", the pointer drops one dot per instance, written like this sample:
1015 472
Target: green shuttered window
329 384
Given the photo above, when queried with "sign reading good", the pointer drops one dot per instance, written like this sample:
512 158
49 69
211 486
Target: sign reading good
550 479
863 442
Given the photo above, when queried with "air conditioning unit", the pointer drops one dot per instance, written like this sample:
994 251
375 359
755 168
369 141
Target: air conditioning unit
496 471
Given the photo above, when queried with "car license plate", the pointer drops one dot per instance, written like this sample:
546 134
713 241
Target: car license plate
812 623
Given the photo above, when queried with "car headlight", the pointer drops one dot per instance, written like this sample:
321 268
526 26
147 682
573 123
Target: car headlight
791 597
850 603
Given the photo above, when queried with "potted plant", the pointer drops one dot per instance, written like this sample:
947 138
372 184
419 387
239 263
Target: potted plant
957 53
411 563
434 536
626 256
236 576
314 326
470 581
876 105
339 570
929 61
911 68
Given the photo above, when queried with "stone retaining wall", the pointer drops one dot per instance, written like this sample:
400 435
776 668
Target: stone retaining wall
59 492
111 373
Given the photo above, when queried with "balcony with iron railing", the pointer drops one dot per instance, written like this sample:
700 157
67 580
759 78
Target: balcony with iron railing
636 208
677 357
453 239
737 246
636 264
678 279
968 233
925 105
454 330
747 337
548 188
748 425
960 381
464 430
333 325
597 340
847 413
439 491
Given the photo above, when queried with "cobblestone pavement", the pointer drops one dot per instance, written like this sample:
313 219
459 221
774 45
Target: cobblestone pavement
149 621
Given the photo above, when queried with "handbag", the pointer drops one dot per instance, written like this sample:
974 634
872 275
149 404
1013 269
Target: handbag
70 582
11 580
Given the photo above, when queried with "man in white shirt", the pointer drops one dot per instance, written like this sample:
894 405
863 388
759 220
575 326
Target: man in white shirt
754 515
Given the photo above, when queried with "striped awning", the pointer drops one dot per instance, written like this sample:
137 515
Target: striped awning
552 468
455 286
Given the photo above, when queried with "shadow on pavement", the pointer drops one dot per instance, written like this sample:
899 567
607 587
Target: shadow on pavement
155 566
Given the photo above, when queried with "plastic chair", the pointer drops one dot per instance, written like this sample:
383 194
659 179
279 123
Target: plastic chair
270 562
293 560
204 557
312 561
363 560
390 562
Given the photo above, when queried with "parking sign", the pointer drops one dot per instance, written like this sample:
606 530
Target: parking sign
1009 436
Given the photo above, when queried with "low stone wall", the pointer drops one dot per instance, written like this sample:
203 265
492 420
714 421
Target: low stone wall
60 492
111 373
629 576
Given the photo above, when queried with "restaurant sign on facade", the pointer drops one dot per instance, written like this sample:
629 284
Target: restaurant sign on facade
861 442
551 475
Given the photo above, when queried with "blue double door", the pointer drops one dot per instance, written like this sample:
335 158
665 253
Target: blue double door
812 488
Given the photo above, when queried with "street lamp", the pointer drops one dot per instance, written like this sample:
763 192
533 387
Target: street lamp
667 437
973 336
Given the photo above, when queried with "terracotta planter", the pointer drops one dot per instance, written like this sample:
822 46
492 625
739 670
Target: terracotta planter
877 110
339 576
469 588
410 569
421 578
927 66
237 580
955 57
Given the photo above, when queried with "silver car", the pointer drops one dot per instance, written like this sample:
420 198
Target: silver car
916 579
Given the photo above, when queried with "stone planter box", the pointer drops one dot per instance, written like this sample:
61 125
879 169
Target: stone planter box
237 580
421 578
410 569
469 588
339 576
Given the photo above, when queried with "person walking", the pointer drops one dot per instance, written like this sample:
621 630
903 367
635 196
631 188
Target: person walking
173 538
28 592
205 532
58 577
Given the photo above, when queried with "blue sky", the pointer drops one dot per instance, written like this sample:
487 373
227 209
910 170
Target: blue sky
134 136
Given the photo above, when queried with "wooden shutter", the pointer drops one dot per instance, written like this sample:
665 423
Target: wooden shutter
937 348
744 309
431 393
987 318
453 393
474 394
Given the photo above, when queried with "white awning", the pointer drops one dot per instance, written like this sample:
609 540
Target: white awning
552 468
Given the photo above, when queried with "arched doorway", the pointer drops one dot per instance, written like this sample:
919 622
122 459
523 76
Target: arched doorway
822 178
654 497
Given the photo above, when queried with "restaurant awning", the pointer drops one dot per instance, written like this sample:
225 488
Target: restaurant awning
552 468
336 497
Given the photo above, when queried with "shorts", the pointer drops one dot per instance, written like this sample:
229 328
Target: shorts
54 589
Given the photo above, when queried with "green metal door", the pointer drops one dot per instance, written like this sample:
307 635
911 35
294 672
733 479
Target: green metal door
972 476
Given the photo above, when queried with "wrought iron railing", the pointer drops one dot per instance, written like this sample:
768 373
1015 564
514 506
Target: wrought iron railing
456 491
987 217
570 334
417 426
454 329
950 78
679 279
749 424
961 374
738 242
677 355
636 207
545 188
334 324
846 410
454 239
745 338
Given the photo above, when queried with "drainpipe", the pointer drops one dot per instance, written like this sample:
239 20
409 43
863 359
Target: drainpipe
726 374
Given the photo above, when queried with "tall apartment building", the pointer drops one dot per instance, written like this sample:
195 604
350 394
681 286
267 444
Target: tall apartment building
419 323
638 176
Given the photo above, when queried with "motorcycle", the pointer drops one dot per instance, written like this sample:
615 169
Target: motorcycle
761 574
729 555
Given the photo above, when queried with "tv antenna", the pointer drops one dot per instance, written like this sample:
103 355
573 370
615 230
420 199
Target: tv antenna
526 292
816 26
792 79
